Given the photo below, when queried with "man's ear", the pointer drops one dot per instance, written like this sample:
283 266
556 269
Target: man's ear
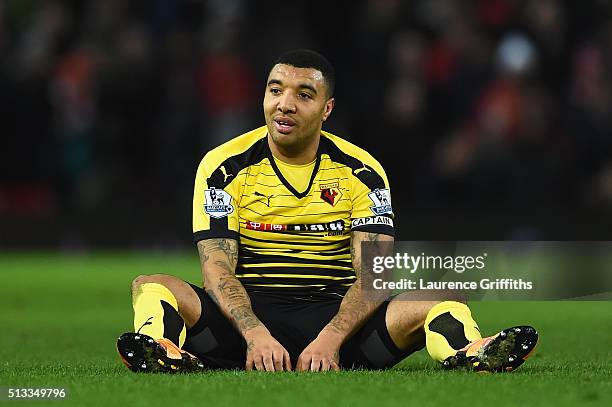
329 106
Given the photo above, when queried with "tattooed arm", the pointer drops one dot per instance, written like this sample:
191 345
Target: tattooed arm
355 309
218 259
323 353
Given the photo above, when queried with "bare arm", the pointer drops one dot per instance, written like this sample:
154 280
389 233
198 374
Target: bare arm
355 310
218 259
323 353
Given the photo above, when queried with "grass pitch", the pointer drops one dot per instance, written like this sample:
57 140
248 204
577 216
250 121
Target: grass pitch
61 316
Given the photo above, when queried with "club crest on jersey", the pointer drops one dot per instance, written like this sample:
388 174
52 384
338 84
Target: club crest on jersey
381 198
330 192
218 203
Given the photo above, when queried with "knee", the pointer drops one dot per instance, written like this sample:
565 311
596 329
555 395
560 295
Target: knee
143 279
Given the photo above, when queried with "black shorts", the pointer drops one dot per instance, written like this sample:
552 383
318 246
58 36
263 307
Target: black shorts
294 322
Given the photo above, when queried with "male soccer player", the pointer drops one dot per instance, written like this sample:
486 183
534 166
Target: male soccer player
279 215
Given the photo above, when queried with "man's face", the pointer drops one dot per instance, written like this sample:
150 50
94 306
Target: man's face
295 105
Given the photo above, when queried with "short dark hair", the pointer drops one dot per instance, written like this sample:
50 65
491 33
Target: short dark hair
306 58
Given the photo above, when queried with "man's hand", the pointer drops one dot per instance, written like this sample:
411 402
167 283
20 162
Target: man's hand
322 354
219 258
264 352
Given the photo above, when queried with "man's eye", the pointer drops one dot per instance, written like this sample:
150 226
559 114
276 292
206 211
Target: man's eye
275 91
305 95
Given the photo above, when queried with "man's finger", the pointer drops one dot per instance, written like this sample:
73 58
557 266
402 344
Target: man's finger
303 363
277 357
324 365
315 363
258 363
306 363
287 360
249 363
335 365
268 363
298 364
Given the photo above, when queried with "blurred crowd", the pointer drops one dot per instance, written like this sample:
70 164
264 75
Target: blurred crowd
473 106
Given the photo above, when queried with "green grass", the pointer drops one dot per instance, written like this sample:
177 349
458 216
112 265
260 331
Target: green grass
62 314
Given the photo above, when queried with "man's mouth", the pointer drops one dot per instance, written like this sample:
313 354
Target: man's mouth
284 125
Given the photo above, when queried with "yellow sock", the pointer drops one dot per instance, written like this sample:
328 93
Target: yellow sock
156 313
449 326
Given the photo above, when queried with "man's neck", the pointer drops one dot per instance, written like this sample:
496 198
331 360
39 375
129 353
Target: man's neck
299 157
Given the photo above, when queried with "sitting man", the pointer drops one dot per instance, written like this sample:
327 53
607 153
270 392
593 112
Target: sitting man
279 217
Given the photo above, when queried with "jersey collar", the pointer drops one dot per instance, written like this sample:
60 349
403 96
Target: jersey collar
286 183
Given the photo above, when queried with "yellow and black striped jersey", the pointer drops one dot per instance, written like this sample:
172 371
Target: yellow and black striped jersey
291 239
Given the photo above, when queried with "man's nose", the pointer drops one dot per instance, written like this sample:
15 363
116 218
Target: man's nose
286 104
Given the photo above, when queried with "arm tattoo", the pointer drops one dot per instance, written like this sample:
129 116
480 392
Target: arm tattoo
372 237
229 247
231 288
218 258
225 266
238 303
244 318
354 309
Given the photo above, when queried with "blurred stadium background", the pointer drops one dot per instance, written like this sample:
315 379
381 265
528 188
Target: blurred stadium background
493 118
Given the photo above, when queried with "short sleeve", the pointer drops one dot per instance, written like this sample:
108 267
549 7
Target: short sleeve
372 211
214 203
